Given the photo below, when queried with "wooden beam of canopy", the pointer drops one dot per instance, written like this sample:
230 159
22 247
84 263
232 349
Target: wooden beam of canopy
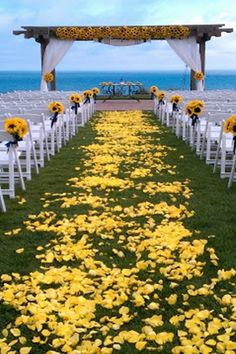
199 31
202 33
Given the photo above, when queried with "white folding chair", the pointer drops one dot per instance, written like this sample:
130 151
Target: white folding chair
224 154
232 172
211 134
10 166
2 202
42 133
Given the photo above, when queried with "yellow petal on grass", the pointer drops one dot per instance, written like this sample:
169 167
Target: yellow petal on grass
140 345
6 277
153 306
106 351
154 321
172 299
46 333
25 350
15 331
20 250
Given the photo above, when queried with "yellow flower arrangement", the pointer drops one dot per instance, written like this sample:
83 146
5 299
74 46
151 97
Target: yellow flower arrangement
16 127
88 93
76 98
194 107
48 77
176 99
95 90
103 84
122 32
110 83
153 89
56 107
230 125
129 83
161 95
198 75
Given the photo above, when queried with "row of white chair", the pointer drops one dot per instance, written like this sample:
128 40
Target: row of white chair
207 136
42 141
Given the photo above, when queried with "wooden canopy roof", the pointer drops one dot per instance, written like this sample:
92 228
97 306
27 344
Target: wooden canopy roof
205 31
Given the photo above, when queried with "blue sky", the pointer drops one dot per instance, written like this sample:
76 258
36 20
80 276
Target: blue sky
18 53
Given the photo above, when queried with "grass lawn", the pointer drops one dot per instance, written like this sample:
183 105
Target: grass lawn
122 246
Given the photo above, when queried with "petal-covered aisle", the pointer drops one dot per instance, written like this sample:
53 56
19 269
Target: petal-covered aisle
123 270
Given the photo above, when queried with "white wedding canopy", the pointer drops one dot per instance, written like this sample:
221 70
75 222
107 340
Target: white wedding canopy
191 50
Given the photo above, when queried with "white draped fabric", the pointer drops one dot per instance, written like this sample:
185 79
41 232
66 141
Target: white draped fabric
54 53
188 50
120 43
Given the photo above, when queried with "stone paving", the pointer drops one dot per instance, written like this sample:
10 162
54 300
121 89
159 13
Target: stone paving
124 105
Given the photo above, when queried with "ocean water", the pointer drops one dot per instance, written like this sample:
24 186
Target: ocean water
176 80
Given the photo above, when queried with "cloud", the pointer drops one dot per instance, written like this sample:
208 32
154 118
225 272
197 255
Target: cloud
19 53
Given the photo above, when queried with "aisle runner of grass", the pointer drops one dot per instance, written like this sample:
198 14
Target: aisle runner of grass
125 244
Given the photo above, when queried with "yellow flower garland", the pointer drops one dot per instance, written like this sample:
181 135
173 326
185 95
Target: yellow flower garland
122 32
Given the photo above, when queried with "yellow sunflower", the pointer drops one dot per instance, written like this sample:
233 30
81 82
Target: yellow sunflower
230 125
48 77
198 75
194 107
76 98
153 89
95 90
176 99
160 95
16 126
56 107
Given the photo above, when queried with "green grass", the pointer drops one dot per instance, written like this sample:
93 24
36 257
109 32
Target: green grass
212 201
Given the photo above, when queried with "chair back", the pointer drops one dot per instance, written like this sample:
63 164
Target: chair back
217 117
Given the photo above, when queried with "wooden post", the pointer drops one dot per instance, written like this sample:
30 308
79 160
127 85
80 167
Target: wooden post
202 51
43 44
53 83
192 81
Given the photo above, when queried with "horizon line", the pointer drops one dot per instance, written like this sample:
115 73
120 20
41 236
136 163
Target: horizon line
113 70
